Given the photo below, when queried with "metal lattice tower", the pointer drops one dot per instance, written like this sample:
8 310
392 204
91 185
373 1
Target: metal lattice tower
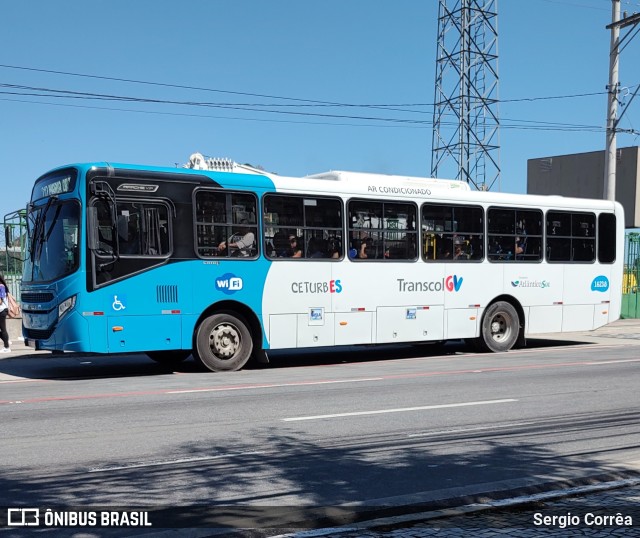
465 142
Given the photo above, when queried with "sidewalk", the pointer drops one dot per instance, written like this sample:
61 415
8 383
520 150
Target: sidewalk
19 349
607 510
622 331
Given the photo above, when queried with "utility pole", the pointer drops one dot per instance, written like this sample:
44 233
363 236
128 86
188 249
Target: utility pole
614 89
612 108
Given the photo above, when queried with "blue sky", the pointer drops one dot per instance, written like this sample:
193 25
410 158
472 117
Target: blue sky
347 51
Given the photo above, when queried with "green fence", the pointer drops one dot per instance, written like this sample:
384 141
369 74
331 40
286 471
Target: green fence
630 295
15 233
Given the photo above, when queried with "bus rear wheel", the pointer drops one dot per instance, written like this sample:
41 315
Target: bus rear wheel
169 357
500 327
223 343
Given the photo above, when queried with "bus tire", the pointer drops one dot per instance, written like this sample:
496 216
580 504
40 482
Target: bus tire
223 342
169 357
500 327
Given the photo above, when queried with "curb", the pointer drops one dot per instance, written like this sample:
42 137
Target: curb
399 522
502 503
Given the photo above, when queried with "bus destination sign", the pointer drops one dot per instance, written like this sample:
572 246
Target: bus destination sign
54 185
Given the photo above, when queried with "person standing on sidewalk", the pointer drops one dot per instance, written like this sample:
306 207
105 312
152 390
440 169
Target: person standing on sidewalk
4 311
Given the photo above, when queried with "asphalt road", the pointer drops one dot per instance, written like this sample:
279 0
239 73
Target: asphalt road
314 436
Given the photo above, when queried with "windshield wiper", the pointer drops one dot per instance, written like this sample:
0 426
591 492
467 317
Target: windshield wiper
47 235
38 230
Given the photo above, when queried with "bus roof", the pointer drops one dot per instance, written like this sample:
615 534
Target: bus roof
363 177
363 184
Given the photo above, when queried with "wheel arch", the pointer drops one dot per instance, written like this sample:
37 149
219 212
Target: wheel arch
232 307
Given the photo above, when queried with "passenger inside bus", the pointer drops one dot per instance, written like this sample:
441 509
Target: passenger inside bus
334 250
296 251
241 243
365 248
459 253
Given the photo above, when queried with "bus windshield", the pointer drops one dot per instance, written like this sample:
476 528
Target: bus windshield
53 240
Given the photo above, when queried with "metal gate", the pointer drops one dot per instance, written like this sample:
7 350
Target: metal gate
630 296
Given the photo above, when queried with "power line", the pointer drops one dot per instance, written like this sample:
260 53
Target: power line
234 118
302 101
259 107
81 95
417 124
69 94
162 84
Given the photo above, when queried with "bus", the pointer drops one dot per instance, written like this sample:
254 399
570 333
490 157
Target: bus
226 262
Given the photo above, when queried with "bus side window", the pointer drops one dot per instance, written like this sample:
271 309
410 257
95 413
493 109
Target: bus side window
452 232
512 231
225 225
302 226
606 238
106 240
571 236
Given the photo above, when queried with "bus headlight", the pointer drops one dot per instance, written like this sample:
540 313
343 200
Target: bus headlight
65 306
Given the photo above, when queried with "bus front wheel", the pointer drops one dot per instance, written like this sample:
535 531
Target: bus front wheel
500 327
223 342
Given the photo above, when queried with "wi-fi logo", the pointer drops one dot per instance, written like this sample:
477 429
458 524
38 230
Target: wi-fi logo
229 283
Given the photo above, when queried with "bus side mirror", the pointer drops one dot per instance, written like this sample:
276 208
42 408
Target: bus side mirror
7 236
92 228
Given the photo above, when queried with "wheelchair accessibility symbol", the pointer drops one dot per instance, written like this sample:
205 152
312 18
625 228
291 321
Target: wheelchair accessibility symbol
117 305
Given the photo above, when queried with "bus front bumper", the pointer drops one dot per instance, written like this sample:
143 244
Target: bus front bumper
70 334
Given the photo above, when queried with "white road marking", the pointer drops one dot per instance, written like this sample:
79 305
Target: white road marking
618 361
398 410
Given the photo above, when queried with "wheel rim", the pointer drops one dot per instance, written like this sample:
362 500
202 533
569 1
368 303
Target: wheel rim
225 340
500 327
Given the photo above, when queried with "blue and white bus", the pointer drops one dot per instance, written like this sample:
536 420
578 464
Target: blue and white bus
225 262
